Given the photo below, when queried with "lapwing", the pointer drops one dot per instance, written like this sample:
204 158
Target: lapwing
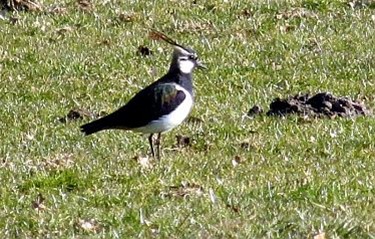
161 106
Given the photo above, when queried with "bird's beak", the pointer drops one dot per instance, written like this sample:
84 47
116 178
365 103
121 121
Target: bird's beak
200 65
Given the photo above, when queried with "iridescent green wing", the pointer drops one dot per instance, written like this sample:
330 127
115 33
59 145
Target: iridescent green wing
167 98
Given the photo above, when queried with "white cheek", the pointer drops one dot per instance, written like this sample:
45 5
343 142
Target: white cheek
186 66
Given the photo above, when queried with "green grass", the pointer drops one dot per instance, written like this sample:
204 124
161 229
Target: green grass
296 179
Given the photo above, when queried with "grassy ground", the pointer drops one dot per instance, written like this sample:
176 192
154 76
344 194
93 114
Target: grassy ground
266 177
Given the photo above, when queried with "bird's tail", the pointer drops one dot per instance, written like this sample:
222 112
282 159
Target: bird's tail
95 126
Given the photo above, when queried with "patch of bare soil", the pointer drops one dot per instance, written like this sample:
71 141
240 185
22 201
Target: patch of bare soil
79 114
320 104
184 190
21 5
183 141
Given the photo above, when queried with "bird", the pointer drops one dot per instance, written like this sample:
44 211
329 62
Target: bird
162 105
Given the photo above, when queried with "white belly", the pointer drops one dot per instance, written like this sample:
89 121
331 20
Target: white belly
173 119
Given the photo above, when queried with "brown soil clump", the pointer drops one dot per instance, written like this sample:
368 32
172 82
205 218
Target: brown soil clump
321 104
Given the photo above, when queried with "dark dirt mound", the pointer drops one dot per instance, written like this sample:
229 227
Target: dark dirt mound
78 114
320 104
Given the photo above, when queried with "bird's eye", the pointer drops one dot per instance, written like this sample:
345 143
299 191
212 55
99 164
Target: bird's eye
193 57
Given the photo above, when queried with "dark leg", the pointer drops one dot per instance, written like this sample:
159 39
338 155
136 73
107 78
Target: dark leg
152 149
158 140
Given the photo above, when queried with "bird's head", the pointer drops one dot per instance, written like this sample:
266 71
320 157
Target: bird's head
185 59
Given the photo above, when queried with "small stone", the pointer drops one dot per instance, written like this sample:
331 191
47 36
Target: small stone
327 104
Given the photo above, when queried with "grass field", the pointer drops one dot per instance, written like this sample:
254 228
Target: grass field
265 177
